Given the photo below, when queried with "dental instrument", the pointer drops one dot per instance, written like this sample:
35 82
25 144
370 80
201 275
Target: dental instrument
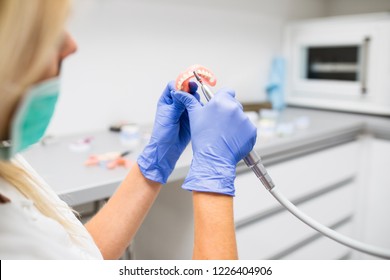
208 94
183 79
254 162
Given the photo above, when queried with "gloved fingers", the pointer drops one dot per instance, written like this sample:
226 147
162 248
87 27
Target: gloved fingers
239 104
230 94
180 105
193 87
197 96
166 97
190 101
229 91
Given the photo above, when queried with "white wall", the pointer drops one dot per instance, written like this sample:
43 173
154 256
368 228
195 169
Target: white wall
346 7
130 49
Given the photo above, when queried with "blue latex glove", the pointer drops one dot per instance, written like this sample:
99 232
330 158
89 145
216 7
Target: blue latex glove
221 136
170 136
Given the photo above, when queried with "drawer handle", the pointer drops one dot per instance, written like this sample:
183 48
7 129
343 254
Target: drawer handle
364 69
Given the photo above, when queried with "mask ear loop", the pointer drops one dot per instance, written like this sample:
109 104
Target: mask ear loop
12 94
5 144
5 149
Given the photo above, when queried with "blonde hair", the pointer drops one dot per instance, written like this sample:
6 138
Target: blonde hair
30 34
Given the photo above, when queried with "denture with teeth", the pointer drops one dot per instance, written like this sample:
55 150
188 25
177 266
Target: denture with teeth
184 78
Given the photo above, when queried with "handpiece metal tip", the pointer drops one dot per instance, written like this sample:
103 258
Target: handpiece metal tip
197 77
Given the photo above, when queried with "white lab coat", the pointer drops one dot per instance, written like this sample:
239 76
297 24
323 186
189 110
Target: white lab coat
25 233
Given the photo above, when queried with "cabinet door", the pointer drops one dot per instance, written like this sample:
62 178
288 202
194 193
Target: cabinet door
338 64
272 236
297 178
374 209
323 248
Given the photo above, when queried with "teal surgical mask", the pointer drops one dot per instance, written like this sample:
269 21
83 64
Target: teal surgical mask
31 118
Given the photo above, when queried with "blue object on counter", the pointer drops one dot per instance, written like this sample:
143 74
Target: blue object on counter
276 83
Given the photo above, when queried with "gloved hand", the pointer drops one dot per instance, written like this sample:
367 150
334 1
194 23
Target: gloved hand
170 136
221 136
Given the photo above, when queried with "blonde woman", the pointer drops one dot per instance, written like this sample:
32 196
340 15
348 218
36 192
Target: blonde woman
35 223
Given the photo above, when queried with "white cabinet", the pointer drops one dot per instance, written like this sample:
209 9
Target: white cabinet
276 235
374 208
322 248
340 63
322 184
167 231
296 178
345 187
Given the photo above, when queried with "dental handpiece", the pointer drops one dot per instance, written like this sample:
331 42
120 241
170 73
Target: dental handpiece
252 160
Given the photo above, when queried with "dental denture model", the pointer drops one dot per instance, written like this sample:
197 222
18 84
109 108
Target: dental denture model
109 160
184 78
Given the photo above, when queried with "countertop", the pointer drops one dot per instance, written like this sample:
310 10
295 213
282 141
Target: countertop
76 183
